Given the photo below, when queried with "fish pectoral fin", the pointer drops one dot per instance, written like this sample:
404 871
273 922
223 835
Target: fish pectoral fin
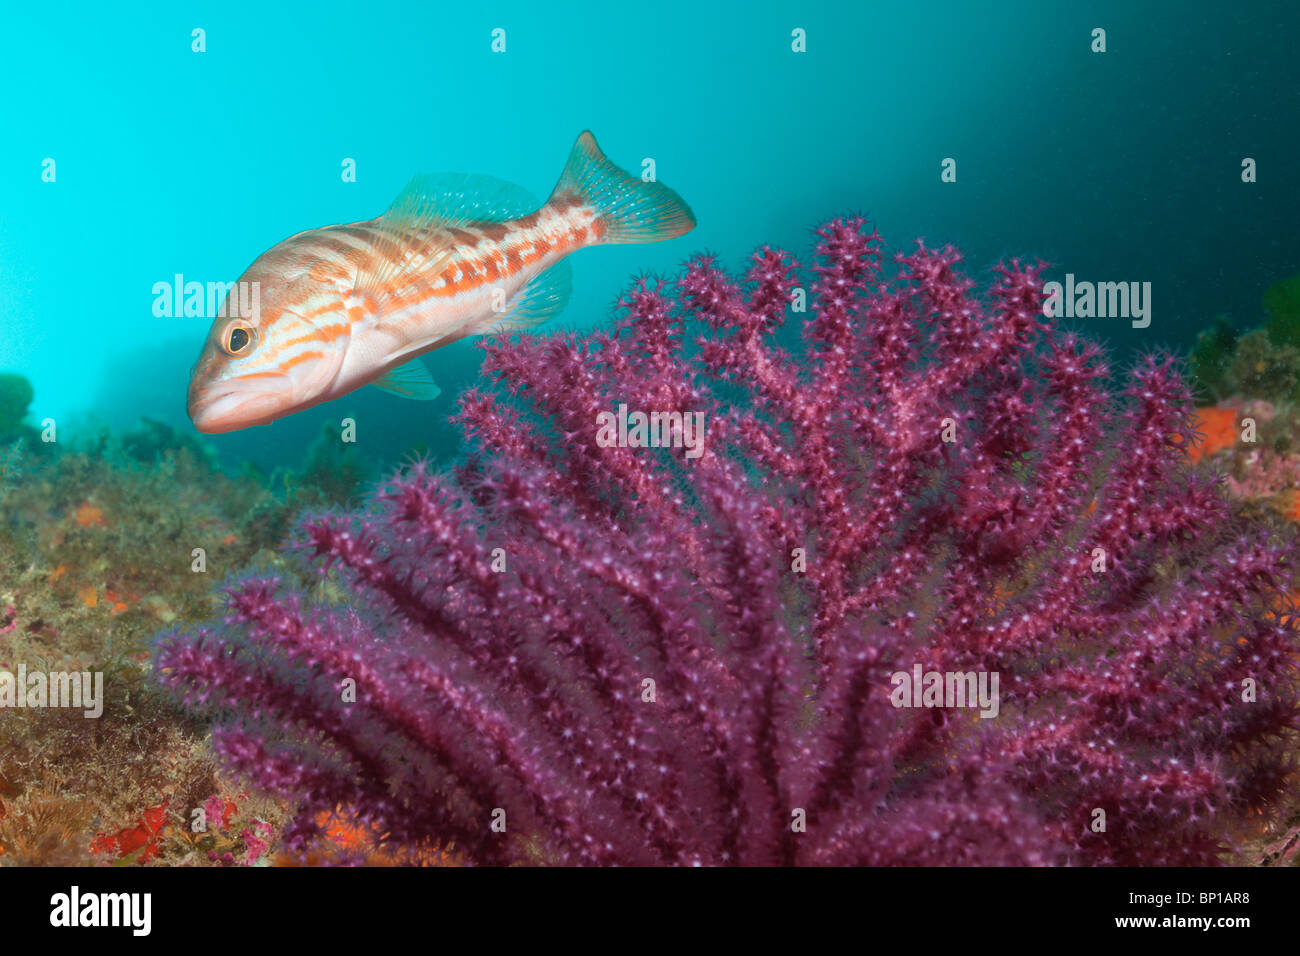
543 298
411 380
414 235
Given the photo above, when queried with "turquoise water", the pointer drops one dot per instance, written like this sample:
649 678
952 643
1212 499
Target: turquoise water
1121 166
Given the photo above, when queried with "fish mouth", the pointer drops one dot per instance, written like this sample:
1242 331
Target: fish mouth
239 403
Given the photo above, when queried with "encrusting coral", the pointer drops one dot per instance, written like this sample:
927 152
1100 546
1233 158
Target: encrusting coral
577 650
1253 379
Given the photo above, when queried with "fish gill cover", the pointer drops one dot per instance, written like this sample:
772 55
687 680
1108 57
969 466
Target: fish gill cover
607 638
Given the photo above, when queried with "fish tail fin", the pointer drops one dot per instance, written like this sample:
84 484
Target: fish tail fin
631 209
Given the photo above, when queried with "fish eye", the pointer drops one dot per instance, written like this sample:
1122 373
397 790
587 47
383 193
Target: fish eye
236 338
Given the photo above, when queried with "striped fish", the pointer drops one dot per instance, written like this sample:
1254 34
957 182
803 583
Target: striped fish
351 305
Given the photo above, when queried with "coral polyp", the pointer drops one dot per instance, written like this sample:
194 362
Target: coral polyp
583 651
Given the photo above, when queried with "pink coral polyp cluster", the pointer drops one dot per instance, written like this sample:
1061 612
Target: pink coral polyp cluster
568 652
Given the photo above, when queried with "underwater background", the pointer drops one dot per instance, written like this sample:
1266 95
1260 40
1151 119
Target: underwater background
1119 166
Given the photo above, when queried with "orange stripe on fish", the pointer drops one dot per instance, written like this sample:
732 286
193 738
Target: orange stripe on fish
287 364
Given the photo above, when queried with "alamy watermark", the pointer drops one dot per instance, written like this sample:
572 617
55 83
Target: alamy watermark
946 689
651 430
77 689
1099 300
207 300
130 910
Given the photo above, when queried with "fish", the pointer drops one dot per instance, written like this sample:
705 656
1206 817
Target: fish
344 306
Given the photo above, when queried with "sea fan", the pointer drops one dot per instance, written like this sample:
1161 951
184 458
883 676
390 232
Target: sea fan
613 639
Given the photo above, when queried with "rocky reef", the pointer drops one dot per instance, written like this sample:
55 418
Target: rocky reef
97 539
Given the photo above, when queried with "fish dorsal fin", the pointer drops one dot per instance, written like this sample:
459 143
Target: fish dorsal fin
460 198
543 298
413 235
411 380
